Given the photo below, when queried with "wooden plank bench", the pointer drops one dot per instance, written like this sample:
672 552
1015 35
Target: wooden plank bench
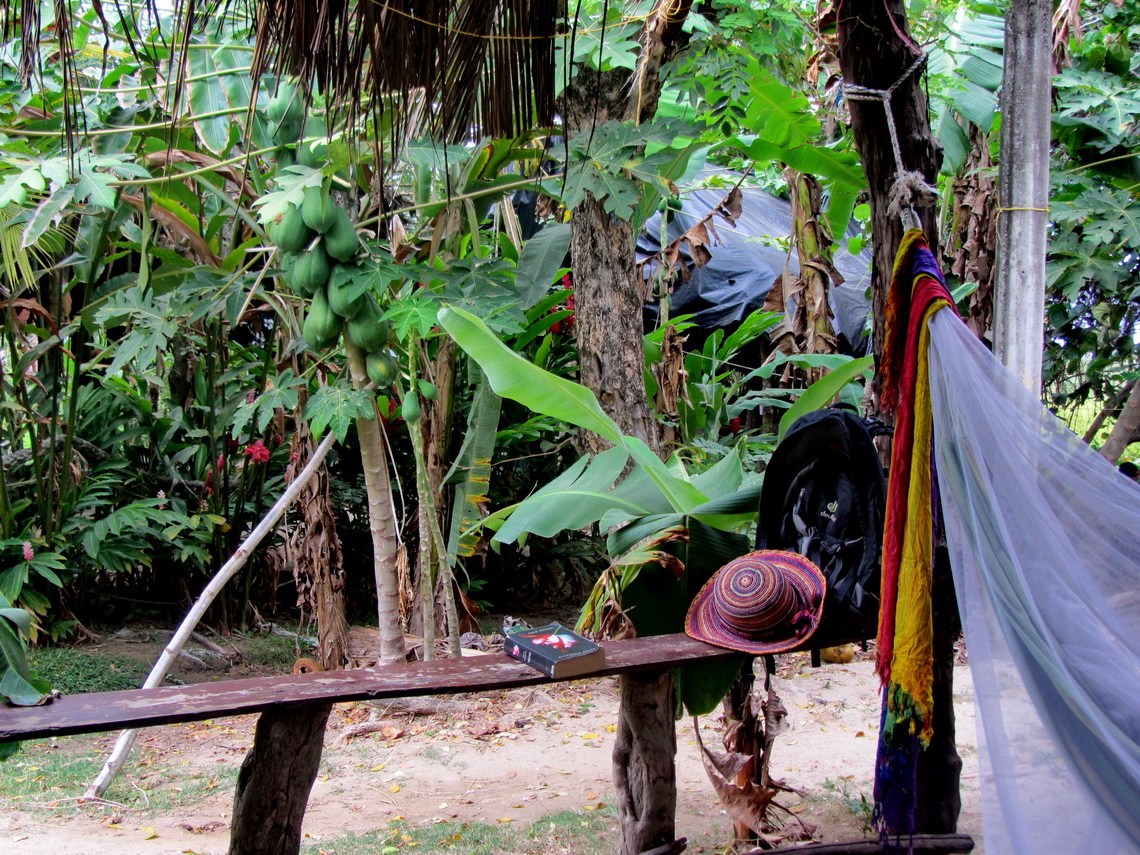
278 772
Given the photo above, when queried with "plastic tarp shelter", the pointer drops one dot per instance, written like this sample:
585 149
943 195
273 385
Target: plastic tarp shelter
748 259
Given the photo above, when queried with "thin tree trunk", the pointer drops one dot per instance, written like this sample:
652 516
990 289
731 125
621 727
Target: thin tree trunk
875 49
643 769
380 518
1023 189
318 561
608 302
1124 429
813 247
1107 410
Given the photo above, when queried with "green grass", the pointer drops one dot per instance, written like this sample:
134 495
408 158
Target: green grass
62 769
73 671
273 652
595 833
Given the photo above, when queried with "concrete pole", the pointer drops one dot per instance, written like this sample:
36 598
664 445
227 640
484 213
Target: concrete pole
1023 189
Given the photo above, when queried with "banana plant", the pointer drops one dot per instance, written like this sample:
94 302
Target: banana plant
705 515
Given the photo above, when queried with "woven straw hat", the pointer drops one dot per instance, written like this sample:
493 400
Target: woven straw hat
763 602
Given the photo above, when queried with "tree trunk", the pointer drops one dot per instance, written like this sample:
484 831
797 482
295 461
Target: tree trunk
1023 189
610 358
643 770
608 301
1124 429
380 518
275 779
813 248
318 565
968 252
875 49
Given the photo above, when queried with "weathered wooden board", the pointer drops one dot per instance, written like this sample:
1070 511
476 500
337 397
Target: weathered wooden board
104 711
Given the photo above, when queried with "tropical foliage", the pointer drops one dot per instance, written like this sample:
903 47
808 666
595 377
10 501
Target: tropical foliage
201 263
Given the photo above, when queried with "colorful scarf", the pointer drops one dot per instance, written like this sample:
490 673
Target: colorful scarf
906 652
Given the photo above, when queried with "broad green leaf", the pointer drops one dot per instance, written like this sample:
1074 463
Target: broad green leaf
16 682
339 407
573 500
513 377
15 189
820 392
49 212
540 260
95 188
682 494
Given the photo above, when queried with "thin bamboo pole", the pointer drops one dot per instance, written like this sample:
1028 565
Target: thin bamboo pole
190 622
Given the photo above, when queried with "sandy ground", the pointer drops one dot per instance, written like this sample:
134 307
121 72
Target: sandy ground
515 756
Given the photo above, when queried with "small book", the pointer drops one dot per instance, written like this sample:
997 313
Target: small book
554 650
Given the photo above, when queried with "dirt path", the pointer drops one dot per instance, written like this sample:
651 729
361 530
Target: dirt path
512 758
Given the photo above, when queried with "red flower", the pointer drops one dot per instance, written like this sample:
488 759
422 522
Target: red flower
28 554
257 452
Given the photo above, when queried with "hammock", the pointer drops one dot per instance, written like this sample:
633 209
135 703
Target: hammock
1044 539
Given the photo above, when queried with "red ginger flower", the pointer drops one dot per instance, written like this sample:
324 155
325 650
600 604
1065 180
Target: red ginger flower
257 452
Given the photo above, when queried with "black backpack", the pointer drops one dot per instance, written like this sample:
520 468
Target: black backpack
824 497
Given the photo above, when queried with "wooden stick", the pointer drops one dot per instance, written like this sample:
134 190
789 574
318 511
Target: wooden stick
178 640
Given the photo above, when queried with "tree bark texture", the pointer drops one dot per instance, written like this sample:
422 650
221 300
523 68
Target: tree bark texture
643 770
318 565
381 519
609 300
813 248
875 48
971 236
611 362
1023 189
275 779
1125 428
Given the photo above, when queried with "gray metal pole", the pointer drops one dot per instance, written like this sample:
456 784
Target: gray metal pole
1023 188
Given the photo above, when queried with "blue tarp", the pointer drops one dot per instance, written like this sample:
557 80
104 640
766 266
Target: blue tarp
749 259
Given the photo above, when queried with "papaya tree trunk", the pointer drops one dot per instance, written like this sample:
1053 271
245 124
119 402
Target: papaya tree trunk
381 519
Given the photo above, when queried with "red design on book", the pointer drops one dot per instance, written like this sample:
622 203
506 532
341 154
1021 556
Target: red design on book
560 642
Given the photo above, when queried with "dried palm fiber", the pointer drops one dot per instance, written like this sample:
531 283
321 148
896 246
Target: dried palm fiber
906 643
480 66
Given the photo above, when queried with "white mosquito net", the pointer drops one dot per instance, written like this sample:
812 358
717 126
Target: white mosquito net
1044 538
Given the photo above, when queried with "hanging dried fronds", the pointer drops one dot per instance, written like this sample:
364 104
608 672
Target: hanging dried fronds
485 64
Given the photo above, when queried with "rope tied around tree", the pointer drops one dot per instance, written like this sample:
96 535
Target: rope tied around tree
910 187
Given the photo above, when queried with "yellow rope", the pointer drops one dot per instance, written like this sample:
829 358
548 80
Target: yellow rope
447 29
1023 208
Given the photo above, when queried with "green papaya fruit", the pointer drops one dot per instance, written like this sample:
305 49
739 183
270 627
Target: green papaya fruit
313 155
288 262
285 157
341 240
345 299
318 210
410 409
322 326
287 132
428 390
366 330
286 114
311 271
290 232
382 368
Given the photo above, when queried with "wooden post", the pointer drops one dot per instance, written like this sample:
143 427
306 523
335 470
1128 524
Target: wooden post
275 779
644 774
1023 189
